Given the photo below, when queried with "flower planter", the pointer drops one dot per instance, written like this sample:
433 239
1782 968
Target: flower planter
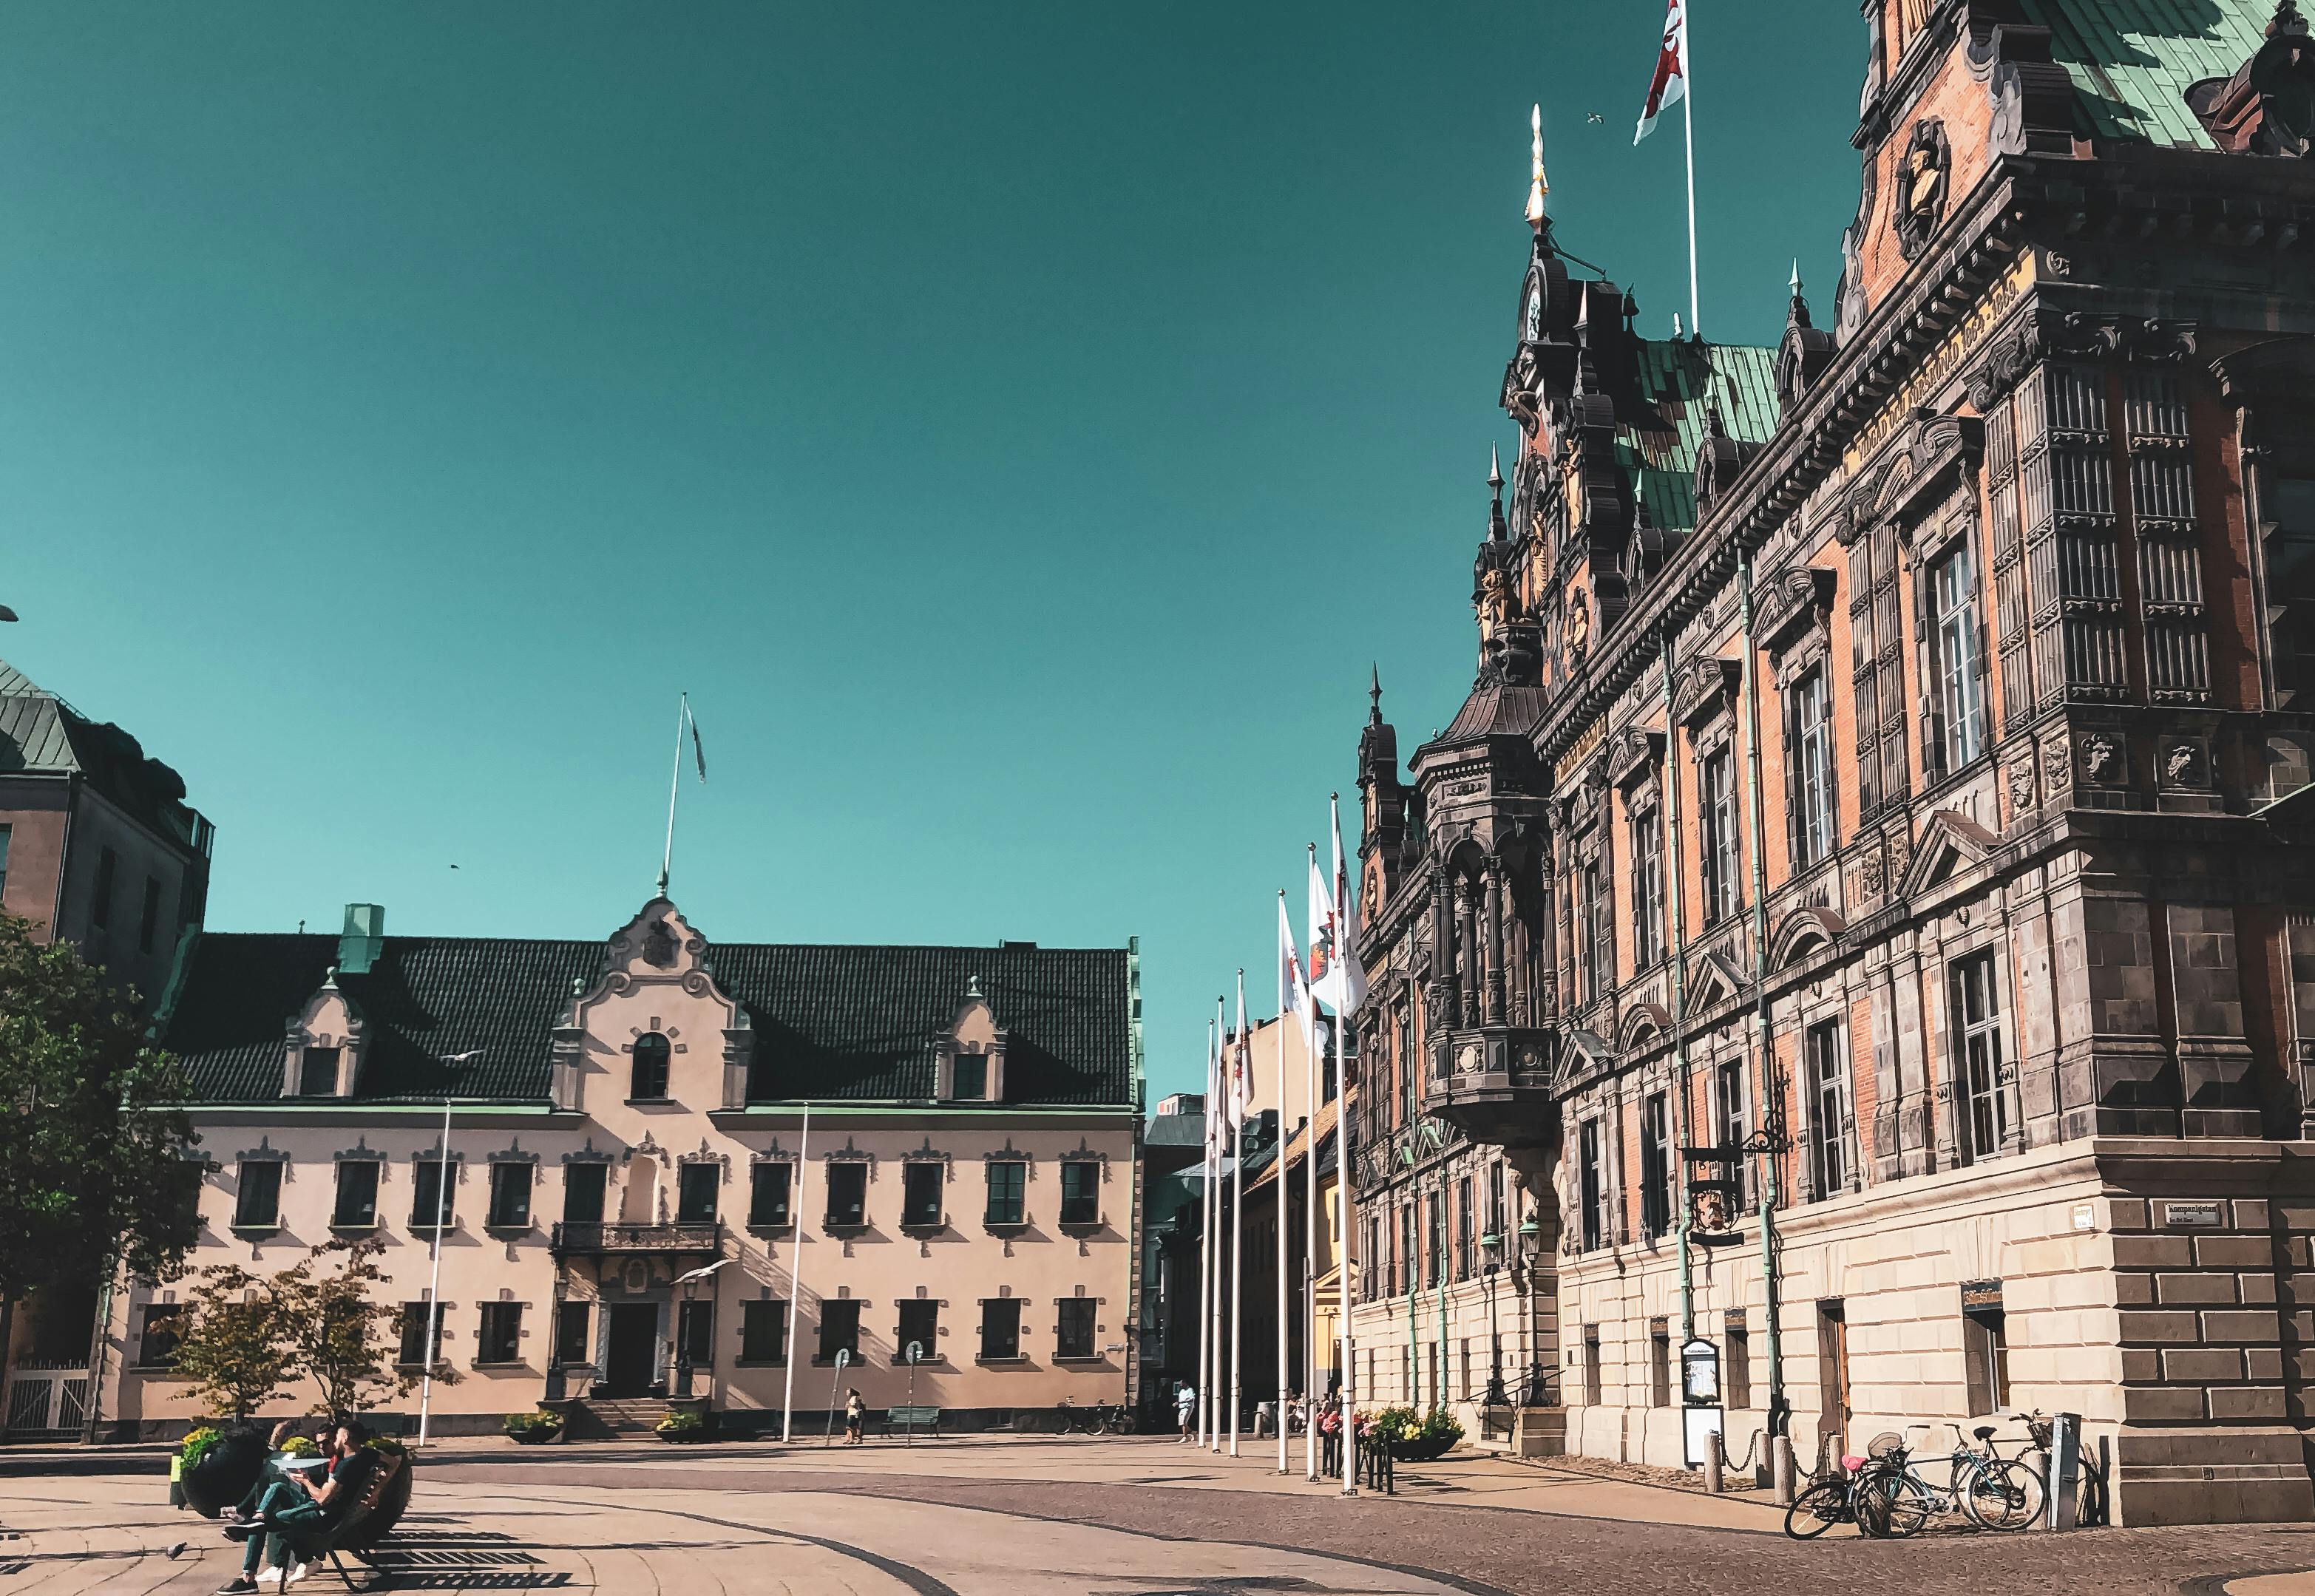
1419 1449
537 1437
683 1437
226 1472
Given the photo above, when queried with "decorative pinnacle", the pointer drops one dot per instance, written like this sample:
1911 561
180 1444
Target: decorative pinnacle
1537 188
1495 469
1374 711
1796 276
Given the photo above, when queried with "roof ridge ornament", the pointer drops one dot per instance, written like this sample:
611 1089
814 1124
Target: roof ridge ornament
1538 188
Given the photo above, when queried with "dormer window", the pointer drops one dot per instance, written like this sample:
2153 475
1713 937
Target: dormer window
317 1072
648 1083
969 1081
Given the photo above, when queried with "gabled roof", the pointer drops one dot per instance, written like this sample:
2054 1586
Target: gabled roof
833 1023
41 734
2131 61
1677 378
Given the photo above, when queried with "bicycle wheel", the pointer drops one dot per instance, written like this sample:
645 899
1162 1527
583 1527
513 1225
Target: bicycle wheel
1891 1506
1817 1508
2004 1495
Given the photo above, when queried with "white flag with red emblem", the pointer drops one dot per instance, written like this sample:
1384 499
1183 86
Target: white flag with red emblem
1670 86
1336 978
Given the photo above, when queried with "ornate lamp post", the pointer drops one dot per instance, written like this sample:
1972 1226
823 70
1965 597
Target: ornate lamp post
1531 1244
1491 1249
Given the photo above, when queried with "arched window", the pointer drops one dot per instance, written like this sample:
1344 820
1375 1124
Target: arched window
649 1079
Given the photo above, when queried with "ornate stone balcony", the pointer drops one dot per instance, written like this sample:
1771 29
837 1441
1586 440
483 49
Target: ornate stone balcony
625 1239
1493 1084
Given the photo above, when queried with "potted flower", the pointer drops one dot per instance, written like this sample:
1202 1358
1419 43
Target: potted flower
219 1465
1433 1436
683 1423
534 1428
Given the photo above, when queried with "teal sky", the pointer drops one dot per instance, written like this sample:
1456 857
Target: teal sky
1018 426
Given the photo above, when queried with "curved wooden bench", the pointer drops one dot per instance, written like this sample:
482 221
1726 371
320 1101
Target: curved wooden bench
371 1519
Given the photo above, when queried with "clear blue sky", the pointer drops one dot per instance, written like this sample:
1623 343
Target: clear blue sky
1017 426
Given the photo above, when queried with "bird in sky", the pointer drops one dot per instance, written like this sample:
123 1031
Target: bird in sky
1592 118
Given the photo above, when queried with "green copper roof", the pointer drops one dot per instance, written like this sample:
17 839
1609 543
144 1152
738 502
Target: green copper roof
1677 376
2132 60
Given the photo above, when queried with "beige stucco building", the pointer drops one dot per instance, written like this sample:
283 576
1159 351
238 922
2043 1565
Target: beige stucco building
631 1112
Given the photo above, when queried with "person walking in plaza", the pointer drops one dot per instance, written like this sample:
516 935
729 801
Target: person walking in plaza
856 1416
1186 1409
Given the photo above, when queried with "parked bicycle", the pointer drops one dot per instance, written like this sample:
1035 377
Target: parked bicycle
2090 1502
1103 1418
1896 1499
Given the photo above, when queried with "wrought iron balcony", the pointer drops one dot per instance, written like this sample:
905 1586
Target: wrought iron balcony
573 1237
1493 1084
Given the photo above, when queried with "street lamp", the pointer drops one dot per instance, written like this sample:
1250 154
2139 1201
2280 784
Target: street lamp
1491 1249
1531 1244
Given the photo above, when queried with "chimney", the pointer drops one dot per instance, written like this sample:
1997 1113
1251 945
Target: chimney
363 939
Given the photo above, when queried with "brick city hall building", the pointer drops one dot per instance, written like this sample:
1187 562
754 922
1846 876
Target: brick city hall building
1864 903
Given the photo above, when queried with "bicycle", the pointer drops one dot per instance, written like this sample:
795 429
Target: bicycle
2090 1502
1993 1493
1100 1419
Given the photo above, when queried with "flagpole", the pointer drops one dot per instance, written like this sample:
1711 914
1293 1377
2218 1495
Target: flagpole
434 1282
1278 1182
674 785
1688 122
795 1255
1238 1228
1349 1411
1212 1179
1218 1326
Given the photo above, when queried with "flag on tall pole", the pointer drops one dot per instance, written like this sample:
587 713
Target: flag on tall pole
684 723
1670 85
1336 977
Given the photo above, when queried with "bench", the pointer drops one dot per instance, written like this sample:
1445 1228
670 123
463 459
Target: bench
912 1419
381 1507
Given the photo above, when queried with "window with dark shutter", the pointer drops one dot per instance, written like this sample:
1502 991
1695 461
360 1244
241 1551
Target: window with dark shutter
848 1194
413 1353
840 1328
510 1195
1073 1334
1000 1328
432 1200
258 1204
317 1072
767 1194
764 1331
921 1193
1080 1193
501 1341
582 1192
697 1188
919 1326
571 1342
356 1207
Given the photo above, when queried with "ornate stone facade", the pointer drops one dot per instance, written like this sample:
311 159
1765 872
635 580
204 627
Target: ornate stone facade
1903 855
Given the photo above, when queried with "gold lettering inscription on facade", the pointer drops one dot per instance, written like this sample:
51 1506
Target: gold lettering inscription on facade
1581 749
1942 363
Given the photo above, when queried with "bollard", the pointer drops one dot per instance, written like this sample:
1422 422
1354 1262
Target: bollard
1712 1466
1780 1457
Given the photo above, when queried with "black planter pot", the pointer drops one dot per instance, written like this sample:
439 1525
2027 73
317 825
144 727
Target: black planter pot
1419 1451
233 1465
535 1437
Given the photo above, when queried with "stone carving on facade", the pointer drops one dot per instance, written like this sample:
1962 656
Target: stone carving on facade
2021 786
2057 766
2182 764
2101 758
1922 179
2267 107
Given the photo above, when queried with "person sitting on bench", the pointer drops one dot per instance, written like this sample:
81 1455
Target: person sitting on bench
293 1507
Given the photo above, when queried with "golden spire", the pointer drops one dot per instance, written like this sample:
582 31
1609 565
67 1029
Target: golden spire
1537 186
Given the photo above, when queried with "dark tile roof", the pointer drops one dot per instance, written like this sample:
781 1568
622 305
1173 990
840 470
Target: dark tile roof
2132 61
832 1022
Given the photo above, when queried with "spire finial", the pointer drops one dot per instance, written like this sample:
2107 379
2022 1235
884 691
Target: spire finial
1675 326
1495 468
1537 188
1374 694
1796 276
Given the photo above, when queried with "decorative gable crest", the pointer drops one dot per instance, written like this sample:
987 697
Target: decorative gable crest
1950 842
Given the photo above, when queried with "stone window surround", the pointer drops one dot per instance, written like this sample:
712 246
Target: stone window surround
264 1152
1829 1007
1949 1099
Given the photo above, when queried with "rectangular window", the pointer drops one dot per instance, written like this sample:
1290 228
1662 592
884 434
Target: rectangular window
695 1332
1954 669
1985 1347
1000 1328
582 1192
1647 888
921 1193
1592 1378
1407 1267
148 919
848 1194
356 1207
1594 1192
100 908
317 1072
1736 1360
698 1188
1081 1193
1828 1085
502 1334
1009 1184
258 1206
431 1200
510 1195
1977 1044
157 1335
1495 1202
1832 1366
768 1185
1073 1335
1599 957
764 1329
1655 1163
1717 817
1463 1228
1435 1239
840 1328
1729 1094
1659 1380
921 1327
1812 737
413 1353
570 1343
969 1077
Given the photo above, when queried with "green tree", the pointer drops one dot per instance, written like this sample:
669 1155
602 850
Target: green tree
237 1348
94 1135
340 1328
